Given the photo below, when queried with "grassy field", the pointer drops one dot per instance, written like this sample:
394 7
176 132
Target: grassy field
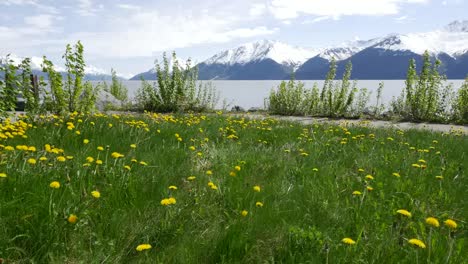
216 189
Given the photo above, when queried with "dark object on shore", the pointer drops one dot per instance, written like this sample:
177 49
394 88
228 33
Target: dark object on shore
237 108
255 109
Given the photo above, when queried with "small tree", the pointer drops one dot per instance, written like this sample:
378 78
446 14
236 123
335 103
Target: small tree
8 86
460 104
117 89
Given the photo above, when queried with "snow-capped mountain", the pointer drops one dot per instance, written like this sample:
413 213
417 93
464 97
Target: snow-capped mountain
265 49
92 73
347 49
383 57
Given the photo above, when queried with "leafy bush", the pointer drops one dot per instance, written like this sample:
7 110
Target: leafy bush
288 99
336 99
117 89
176 89
8 86
425 98
460 104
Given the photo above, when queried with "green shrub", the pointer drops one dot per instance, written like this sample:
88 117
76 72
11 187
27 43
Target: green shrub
117 89
288 99
460 104
177 90
8 86
425 97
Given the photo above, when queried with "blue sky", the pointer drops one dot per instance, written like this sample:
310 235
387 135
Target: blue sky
129 34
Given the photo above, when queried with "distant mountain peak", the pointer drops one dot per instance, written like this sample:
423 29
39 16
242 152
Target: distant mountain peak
278 51
457 26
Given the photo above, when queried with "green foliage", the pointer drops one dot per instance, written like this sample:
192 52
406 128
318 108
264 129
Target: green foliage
425 98
460 104
336 99
117 89
288 99
8 86
176 90
87 102
55 100
74 64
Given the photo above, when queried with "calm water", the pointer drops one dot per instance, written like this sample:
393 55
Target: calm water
252 93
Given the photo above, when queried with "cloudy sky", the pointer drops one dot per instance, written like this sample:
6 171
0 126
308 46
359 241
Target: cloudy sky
129 34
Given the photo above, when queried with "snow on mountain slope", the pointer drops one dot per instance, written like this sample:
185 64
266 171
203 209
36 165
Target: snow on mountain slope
280 52
347 49
36 63
452 40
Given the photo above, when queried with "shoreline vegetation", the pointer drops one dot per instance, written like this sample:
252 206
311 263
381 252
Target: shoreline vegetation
425 98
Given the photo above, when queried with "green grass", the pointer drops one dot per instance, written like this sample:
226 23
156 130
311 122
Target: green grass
307 176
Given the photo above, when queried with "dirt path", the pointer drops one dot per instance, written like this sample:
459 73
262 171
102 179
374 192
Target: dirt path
371 123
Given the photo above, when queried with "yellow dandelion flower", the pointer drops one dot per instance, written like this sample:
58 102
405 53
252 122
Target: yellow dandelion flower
209 172
439 177
133 146
72 219
143 163
69 157
116 155
417 242
32 161
100 148
54 184
127 168
96 194
369 188
192 148
244 213
237 168
85 141
43 158
259 204
348 241
99 162
396 174
256 188
451 223
369 177
172 200
432 221
315 169
143 247
415 165
357 193
232 174
404 212
90 159
3 175
172 187
360 170
191 178
61 159
421 161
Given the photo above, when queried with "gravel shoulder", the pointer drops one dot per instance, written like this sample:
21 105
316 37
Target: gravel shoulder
447 128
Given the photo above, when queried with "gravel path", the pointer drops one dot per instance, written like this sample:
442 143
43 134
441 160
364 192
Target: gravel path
372 123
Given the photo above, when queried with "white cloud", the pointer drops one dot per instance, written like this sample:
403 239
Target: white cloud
150 32
289 9
316 20
86 8
129 7
257 10
41 21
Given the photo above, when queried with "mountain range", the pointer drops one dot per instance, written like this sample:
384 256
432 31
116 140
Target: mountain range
92 73
382 58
